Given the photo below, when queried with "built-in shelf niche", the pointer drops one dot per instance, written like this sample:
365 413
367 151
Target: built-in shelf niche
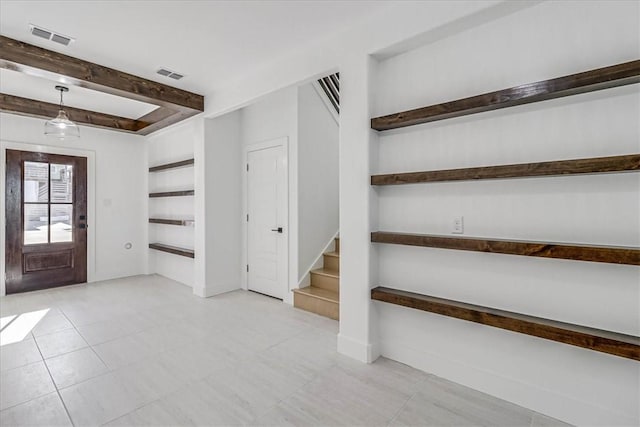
617 344
168 219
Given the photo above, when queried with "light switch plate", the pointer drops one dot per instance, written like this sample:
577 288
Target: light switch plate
458 225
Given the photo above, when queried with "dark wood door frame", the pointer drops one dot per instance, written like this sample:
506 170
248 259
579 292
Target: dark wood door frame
42 266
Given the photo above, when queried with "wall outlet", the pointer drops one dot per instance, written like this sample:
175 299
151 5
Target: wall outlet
458 225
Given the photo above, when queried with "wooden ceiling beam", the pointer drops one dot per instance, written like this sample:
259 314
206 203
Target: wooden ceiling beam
29 59
167 121
175 104
45 110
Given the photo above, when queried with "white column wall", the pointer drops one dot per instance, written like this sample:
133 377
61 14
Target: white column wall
357 200
222 218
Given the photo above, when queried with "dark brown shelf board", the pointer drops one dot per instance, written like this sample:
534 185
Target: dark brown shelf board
183 222
173 165
588 81
626 163
173 193
606 254
189 253
627 346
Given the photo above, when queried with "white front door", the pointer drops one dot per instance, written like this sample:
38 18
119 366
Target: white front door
267 204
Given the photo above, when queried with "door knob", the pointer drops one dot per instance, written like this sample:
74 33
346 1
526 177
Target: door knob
279 229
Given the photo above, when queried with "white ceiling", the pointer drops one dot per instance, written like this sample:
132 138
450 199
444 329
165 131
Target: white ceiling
211 42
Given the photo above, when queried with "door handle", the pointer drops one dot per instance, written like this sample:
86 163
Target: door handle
279 229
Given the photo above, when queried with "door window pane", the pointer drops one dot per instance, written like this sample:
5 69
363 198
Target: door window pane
61 223
36 224
36 182
61 183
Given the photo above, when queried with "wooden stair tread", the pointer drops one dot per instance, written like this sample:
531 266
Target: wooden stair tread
326 272
333 254
614 343
319 293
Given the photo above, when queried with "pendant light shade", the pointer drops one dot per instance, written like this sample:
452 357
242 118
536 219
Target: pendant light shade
61 127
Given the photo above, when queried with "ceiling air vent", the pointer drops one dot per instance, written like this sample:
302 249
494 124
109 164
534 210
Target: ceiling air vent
171 74
50 35
40 33
60 39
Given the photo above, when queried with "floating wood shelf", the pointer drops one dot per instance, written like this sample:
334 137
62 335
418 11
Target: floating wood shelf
622 345
606 254
173 193
183 222
626 163
588 81
174 165
189 253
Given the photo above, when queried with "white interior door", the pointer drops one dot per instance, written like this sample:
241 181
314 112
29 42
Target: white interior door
267 203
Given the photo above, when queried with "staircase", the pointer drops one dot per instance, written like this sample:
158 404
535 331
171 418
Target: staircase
323 296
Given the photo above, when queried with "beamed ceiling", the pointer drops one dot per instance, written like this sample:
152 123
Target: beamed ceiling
173 105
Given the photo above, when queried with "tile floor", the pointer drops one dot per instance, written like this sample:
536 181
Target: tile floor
144 351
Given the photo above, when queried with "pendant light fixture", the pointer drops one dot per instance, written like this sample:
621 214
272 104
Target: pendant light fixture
61 127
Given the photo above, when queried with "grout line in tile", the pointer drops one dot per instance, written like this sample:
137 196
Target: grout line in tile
22 366
100 358
404 405
60 354
18 367
55 385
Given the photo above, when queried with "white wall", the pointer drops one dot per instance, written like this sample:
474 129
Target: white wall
318 177
269 118
549 40
223 204
117 191
172 145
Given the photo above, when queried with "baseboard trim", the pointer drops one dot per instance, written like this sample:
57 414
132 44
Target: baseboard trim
541 400
206 292
364 352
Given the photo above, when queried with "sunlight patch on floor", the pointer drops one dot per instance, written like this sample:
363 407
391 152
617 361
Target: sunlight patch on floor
16 328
